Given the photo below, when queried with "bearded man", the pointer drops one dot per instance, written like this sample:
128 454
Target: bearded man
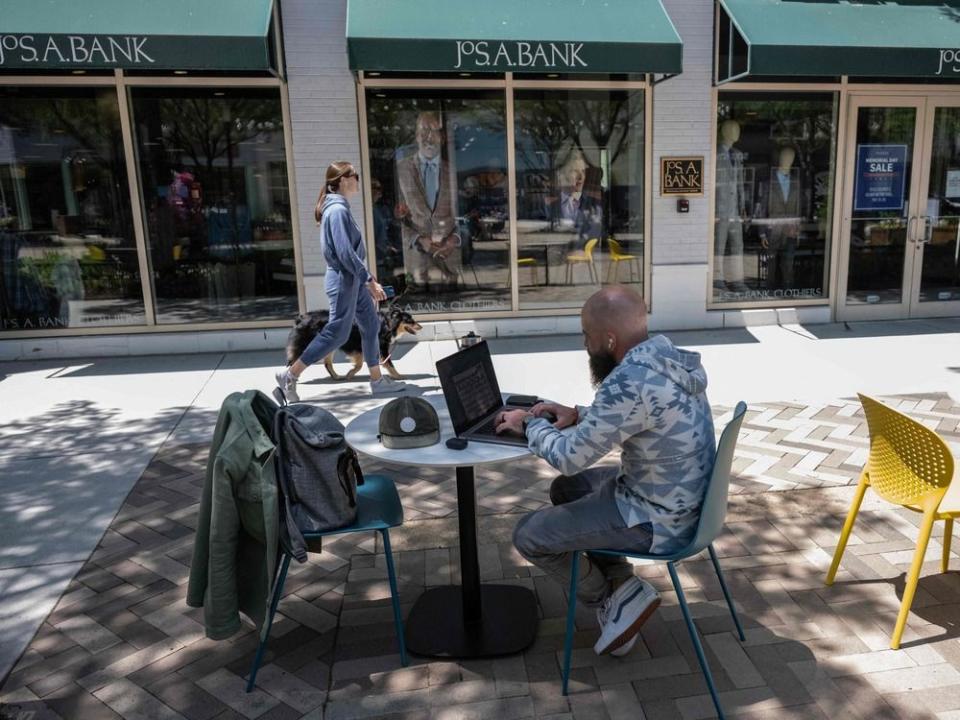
651 405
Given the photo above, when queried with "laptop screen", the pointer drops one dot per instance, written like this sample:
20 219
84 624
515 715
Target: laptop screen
469 386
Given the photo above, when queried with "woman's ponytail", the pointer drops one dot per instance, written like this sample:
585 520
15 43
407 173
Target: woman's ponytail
335 171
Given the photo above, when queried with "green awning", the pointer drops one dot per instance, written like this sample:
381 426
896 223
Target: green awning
520 36
228 35
910 38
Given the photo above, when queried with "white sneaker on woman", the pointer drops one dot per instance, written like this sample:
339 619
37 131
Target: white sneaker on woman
388 386
622 615
287 384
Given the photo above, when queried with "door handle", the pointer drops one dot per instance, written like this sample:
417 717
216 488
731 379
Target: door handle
911 237
924 237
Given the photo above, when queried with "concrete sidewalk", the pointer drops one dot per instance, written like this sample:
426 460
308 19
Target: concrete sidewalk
78 436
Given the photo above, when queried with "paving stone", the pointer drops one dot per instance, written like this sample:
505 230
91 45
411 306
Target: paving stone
734 660
502 709
753 699
132 701
620 702
129 664
289 689
88 633
377 705
914 678
399 680
72 701
187 698
231 690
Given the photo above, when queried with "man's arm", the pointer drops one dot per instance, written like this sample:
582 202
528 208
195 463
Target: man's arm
617 412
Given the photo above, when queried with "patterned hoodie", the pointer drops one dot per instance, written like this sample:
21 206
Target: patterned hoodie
654 406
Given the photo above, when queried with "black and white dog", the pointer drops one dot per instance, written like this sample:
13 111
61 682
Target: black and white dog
394 322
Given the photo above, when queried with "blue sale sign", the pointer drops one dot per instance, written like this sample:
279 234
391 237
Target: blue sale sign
881 177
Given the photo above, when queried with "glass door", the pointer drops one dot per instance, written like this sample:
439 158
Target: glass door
936 248
883 215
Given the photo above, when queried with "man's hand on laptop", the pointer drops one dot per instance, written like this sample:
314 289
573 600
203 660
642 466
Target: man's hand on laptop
562 416
511 421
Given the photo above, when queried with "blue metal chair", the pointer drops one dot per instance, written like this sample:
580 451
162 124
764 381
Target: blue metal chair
379 509
712 516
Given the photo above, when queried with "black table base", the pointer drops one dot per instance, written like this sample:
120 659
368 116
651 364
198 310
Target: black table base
472 620
436 628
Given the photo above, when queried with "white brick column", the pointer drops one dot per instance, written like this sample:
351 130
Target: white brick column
323 112
682 122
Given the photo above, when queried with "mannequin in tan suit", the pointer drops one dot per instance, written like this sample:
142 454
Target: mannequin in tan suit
731 211
426 194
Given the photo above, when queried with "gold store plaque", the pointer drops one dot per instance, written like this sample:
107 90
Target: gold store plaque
681 175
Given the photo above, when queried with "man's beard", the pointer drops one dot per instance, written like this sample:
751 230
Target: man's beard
601 365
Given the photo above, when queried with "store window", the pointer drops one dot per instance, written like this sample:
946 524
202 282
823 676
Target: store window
940 274
580 210
774 196
67 252
438 173
217 204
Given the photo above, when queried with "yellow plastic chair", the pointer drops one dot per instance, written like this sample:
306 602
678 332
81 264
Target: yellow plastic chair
578 257
617 256
532 264
909 465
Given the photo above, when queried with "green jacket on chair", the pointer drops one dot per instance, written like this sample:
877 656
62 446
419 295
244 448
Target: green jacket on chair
237 543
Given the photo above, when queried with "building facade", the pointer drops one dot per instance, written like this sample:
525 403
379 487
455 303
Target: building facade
158 174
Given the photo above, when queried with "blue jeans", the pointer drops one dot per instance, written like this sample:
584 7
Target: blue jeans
349 301
584 516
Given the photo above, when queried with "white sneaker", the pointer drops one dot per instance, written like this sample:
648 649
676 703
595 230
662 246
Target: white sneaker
388 386
626 647
287 384
622 615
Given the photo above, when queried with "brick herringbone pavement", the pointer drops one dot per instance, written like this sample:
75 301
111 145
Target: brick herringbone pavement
121 643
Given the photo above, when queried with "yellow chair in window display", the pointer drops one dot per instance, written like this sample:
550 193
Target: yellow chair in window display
617 256
579 257
530 263
909 465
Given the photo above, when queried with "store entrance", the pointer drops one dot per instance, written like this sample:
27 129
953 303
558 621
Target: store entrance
900 241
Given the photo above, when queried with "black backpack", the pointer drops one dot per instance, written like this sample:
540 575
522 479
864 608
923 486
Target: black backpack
318 474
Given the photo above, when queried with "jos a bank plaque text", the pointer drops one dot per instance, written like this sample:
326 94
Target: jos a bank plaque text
681 175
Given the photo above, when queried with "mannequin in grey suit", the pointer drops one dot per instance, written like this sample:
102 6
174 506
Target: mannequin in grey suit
424 185
730 211
779 237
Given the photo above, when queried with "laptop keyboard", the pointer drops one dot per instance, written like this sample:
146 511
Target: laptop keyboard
490 428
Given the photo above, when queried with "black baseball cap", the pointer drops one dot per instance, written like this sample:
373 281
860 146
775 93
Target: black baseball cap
409 422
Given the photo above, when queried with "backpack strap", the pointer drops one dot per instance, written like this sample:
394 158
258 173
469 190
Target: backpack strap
296 545
349 465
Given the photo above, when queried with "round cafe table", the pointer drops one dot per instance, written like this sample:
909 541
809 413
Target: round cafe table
469 620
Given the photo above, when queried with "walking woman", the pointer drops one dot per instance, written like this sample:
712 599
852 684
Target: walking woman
352 290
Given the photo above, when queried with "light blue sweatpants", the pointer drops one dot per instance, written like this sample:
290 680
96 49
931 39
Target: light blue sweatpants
349 300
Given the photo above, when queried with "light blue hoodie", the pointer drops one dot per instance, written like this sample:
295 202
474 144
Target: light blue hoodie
341 240
654 406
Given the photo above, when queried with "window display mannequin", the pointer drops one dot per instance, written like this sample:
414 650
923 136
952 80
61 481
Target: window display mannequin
572 176
779 234
730 211
425 208
581 200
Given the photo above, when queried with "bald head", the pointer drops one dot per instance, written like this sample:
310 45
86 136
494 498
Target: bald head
614 320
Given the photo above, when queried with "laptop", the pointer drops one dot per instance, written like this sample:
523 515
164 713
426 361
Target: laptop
473 396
